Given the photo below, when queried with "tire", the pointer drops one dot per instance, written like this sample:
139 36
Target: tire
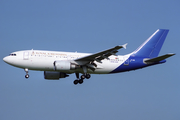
83 76
81 81
76 82
26 76
88 76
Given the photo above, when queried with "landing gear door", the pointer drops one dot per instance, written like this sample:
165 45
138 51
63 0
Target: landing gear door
26 55
126 61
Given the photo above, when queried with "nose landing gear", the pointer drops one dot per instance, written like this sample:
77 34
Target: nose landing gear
27 75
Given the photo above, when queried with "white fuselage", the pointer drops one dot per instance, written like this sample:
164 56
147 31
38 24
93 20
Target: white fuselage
44 61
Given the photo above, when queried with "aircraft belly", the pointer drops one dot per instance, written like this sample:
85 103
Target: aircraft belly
35 64
42 65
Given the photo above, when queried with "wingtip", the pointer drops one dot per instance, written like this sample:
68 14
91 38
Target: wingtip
124 46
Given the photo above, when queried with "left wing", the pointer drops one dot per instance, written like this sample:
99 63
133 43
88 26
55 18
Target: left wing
101 55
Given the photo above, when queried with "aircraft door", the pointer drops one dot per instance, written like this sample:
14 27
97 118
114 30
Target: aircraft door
126 61
26 55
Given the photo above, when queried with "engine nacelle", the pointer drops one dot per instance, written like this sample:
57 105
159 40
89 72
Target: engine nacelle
52 75
65 65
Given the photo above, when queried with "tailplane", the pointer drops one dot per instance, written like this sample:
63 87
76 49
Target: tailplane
158 59
152 46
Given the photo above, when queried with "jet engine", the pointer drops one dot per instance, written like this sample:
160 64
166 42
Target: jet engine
53 75
65 65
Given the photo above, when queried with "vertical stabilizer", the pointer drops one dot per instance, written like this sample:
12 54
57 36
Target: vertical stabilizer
152 46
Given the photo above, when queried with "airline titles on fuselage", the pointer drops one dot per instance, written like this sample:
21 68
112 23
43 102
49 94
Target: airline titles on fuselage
67 56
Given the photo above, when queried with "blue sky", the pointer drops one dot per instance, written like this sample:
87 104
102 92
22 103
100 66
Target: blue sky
89 26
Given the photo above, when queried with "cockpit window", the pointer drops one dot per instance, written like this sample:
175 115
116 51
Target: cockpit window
12 54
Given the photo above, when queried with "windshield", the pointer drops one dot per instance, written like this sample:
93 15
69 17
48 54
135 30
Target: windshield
12 54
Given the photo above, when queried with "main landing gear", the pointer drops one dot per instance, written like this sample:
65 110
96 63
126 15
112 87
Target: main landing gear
27 75
80 81
85 75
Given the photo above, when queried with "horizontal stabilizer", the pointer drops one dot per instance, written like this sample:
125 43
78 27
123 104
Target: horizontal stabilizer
160 58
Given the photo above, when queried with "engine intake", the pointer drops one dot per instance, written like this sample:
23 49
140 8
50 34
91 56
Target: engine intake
53 75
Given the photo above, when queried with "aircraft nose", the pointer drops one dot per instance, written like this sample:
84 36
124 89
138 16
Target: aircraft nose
6 59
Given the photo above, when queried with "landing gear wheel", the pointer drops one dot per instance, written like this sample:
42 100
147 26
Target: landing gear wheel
76 82
81 81
83 77
88 76
26 76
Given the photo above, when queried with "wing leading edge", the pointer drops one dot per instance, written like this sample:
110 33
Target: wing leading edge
102 55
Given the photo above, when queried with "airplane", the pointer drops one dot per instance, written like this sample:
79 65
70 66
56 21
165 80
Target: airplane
58 65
